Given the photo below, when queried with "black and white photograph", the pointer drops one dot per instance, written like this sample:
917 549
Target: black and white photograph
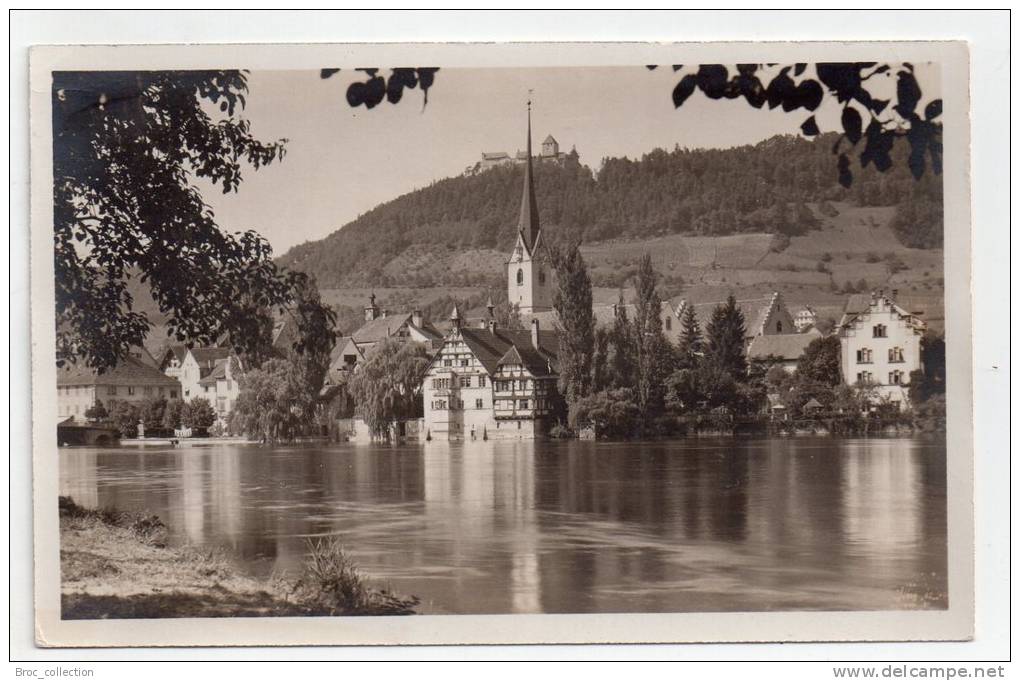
430 340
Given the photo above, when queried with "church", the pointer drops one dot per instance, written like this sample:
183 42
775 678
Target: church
491 383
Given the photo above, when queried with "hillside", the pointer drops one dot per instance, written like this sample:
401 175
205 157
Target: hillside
456 231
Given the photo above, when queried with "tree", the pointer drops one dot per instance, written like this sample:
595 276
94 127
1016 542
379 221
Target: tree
316 334
572 302
821 361
388 385
127 149
124 415
151 412
651 344
848 84
172 415
931 380
689 348
622 366
726 336
272 404
198 415
613 413
97 412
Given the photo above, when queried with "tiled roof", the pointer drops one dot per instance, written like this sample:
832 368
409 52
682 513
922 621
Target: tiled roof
129 371
381 328
785 345
218 372
549 140
206 357
491 346
494 155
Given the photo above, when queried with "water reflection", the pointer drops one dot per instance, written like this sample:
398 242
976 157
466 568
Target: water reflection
566 527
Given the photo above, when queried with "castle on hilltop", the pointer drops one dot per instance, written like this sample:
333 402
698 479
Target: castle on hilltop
550 152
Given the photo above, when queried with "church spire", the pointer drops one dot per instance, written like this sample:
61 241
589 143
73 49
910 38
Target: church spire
528 225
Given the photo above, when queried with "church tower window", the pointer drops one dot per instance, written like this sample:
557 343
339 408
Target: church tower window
520 277
541 276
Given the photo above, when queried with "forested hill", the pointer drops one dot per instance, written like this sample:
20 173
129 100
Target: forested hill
760 188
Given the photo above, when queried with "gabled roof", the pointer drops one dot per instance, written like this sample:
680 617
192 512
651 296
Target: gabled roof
206 357
859 304
129 371
494 155
511 356
382 328
218 372
178 352
490 347
812 404
788 346
549 139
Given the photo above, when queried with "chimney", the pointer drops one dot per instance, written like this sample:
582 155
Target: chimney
416 318
534 333
371 312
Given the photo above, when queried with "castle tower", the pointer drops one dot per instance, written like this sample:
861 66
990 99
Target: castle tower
529 276
550 147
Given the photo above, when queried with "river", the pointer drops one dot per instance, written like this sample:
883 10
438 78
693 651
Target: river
565 527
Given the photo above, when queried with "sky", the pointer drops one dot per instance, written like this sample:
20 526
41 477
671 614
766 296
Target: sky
342 162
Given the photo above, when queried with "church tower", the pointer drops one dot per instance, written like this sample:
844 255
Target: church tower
529 275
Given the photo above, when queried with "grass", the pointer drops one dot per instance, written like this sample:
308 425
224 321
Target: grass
117 565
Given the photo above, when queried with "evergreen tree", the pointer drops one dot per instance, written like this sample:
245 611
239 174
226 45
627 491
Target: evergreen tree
726 337
690 338
624 350
572 302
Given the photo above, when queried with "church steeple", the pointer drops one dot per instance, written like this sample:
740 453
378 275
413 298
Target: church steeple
527 224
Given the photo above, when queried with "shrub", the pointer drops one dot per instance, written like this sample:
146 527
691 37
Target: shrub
560 432
331 572
872 257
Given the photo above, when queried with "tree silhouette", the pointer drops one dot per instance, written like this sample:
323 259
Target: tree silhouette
865 117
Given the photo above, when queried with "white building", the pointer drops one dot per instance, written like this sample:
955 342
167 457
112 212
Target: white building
880 344
805 318
491 383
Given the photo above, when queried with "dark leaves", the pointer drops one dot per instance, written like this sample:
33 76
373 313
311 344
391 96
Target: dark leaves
846 178
684 89
908 93
851 121
371 92
809 127
933 110
712 80
326 73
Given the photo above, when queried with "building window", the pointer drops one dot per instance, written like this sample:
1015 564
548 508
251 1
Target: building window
669 323
779 327
481 381
447 362
111 390
465 362
173 394
541 276
520 277
864 377
896 354
878 331
896 377
478 404
524 404
864 356
465 381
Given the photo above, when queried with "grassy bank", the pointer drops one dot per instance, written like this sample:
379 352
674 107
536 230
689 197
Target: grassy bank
117 565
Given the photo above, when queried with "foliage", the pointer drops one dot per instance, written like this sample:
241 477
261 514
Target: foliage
272 404
172 415
151 411
848 84
690 345
125 416
678 191
198 414
315 324
653 350
376 87
572 302
726 337
624 349
930 381
387 385
97 412
614 413
821 361
127 150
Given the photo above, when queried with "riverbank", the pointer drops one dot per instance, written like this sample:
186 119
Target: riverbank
116 565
